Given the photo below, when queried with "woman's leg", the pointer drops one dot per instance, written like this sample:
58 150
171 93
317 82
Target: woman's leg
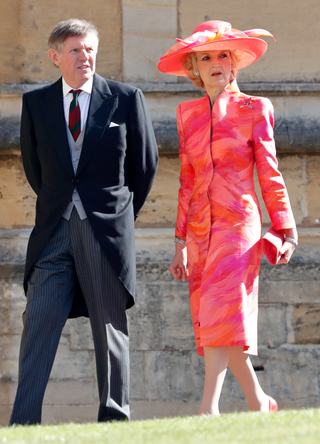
216 363
217 359
241 367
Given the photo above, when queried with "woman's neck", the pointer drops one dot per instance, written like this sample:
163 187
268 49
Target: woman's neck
214 93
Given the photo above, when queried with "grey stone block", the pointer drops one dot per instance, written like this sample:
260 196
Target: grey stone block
13 245
12 298
153 272
232 392
56 414
11 314
297 282
9 130
156 376
289 292
146 318
294 271
72 364
10 274
9 354
141 410
272 325
171 376
182 376
198 372
69 392
177 330
80 334
137 375
290 372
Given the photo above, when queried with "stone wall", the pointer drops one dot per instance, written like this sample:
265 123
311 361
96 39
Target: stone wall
26 26
135 33
301 173
150 28
167 376
166 373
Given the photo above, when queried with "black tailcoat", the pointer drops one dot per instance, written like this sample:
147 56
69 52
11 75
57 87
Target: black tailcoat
115 172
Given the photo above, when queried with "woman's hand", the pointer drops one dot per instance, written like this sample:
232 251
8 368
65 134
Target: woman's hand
178 267
287 248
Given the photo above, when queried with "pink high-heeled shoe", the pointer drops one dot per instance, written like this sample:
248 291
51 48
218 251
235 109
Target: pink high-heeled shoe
273 406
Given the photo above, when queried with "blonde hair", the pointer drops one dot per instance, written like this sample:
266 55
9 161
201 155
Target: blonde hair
190 65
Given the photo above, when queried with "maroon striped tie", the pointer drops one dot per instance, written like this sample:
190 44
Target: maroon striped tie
74 114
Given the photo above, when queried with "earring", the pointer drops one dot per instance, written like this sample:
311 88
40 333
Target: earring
196 73
231 66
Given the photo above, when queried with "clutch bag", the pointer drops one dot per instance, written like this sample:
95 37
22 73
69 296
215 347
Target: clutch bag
272 241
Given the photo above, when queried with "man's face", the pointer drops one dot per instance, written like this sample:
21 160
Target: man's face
77 60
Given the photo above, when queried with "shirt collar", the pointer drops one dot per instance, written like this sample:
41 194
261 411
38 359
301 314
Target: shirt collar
86 87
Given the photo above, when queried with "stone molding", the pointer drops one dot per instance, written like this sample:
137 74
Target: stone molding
152 245
267 88
272 88
297 129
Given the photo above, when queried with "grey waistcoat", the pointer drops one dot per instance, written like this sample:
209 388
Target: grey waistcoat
75 151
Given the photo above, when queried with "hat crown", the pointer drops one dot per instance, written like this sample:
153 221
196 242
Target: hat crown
214 26
215 35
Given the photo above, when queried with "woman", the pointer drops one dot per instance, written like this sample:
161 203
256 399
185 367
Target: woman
219 224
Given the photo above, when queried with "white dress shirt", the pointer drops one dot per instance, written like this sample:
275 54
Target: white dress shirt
83 100
76 147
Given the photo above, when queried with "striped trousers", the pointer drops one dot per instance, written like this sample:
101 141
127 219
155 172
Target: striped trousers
71 256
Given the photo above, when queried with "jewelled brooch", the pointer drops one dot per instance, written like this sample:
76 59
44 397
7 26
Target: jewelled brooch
247 102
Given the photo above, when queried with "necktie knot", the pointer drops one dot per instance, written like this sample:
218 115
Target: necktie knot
75 92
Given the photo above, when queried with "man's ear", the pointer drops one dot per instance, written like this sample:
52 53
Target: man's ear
54 56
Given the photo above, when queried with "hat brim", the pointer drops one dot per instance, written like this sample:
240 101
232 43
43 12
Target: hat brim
247 51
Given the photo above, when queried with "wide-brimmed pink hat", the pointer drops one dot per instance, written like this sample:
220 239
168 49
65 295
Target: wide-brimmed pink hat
211 36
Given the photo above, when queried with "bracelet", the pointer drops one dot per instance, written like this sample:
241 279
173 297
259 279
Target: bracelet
291 240
177 240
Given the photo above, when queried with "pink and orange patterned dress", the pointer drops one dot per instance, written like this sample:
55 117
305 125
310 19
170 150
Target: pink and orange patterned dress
219 214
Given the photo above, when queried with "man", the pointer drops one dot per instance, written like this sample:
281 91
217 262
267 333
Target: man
90 155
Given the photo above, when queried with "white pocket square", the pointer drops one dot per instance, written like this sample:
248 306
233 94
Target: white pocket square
113 124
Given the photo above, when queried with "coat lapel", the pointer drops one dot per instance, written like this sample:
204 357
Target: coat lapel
220 108
102 106
53 112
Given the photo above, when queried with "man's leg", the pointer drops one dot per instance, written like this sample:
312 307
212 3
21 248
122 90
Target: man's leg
106 299
49 299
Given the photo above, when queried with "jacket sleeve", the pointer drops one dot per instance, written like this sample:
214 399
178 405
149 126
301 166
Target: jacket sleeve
28 146
272 185
186 181
142 151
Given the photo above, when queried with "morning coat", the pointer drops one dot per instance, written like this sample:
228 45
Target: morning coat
115 173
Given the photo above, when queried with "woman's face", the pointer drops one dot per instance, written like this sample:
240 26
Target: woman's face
215 69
